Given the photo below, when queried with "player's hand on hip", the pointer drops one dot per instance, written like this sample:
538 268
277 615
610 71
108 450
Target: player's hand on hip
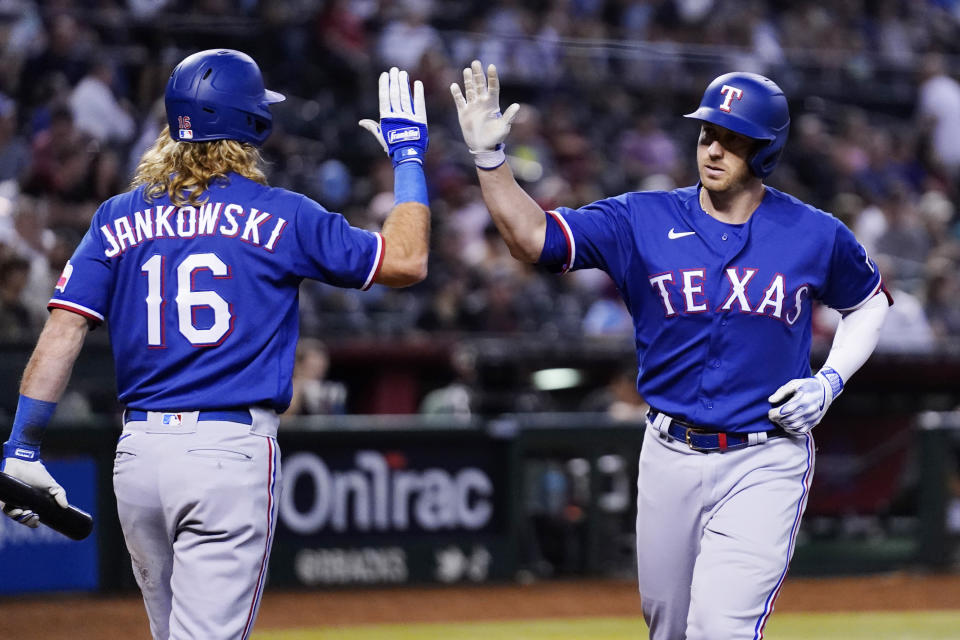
402 130
484 127
799 405
35 474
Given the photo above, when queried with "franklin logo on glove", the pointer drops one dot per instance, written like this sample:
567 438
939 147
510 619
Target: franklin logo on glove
403 135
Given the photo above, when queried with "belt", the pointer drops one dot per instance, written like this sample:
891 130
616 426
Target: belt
707 440
215 415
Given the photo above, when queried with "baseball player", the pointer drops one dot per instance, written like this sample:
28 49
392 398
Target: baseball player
196 272
720 279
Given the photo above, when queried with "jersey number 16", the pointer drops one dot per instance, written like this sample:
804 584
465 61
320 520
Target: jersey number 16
187 300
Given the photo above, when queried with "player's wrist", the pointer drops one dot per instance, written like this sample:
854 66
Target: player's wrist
29 423
410 184
406 140
20 451
490 159
406 155
831 380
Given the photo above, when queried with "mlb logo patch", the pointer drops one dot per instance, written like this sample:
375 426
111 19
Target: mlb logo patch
172 419
64 277
186 134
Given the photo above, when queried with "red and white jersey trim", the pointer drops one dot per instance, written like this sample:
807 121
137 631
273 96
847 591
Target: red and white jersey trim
571 243
879 288
76 308
377 263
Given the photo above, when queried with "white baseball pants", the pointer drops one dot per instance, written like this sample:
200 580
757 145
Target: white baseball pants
715 534
198 506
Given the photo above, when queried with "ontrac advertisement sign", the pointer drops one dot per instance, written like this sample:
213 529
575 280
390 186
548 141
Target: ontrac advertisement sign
379 515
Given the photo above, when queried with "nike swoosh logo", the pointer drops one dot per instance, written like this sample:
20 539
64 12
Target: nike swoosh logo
673 235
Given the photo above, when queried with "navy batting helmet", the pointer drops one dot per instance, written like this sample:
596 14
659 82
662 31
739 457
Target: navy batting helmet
753 106
218 94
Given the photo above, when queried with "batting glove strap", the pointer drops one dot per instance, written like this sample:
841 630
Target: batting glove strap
490 160
832 379
20 451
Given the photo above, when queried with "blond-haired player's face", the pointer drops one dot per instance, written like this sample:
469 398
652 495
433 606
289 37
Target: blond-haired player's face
722 158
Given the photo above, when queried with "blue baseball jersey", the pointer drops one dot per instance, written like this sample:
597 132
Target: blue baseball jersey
201 302
722 312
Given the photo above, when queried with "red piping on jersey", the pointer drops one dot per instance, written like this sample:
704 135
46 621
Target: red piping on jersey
89 316
566 235
376 270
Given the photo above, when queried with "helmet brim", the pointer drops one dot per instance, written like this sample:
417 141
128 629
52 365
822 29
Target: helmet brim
272 97
731 122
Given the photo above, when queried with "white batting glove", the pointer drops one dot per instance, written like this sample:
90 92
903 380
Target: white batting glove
484 127
804 401
35 474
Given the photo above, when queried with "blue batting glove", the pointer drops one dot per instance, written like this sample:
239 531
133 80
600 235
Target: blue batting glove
402 130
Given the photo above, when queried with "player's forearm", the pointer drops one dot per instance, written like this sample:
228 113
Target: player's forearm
857 336
518 217
48 370
406 239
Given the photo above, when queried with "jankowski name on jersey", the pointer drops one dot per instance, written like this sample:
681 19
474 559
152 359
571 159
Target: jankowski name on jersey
229 220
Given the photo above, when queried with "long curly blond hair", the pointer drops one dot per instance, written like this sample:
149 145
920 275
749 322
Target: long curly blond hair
185 170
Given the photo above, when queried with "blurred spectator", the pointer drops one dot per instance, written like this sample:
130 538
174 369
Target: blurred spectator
61 159
943 300
409 36
496 306
646 149
16 323
938 108
906 240
619 398
458 398
313 394
906 328
96 111
63 61
14 151
607 315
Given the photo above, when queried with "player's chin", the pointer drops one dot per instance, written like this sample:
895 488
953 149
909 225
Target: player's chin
713 182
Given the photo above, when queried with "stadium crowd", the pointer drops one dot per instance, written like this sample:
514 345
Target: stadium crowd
874 139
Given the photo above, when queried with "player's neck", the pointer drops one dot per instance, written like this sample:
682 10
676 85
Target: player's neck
732 206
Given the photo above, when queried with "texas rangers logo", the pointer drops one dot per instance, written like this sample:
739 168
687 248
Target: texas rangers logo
729 93
64 277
